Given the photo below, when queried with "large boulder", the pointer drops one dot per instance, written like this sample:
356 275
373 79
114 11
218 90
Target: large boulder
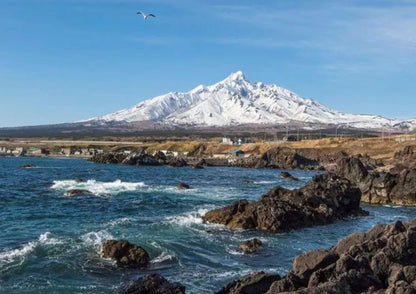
255 283
153 284
125 253
382 260
322 200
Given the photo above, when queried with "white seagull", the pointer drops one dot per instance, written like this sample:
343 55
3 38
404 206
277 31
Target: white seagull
145 16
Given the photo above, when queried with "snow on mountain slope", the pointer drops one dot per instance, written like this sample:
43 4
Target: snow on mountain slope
235 101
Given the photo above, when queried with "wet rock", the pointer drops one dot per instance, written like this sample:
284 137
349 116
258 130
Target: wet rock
382 260
78 180
27 166
250 246
153 284
183 186
322 200
78 192
125 253
255 283
287 175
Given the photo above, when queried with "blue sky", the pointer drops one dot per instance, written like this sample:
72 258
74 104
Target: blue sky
67 60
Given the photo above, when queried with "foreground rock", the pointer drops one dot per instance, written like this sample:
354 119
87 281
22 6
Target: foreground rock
153 284
322 200
250 246
382 260
287 175
377 187
125 253
256 283
77 192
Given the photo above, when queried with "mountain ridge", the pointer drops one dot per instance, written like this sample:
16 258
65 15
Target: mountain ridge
236 101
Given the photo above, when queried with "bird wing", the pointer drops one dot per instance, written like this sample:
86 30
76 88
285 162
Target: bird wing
152 15
139 12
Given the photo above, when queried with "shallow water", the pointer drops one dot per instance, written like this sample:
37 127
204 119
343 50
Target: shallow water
50 243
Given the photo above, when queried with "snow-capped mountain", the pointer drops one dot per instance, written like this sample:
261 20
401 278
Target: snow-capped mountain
235 101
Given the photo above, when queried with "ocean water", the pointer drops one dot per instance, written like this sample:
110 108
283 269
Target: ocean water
50 243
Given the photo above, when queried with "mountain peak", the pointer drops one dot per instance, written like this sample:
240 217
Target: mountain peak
236 76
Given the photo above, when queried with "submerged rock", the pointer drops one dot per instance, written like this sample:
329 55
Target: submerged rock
322 200
27 166
125 253
153 284
287 175
248 181
383 260
250 246
183 186
78 192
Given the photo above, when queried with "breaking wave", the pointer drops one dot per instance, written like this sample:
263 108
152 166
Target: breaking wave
96 187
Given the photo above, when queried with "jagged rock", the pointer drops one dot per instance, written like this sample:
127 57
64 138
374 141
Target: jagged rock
160 157
200 164
153 284
183 186
382 260
250 246
287 175
255 283
322 200
77 192
380 188
125 253
280 157
108 157
177 162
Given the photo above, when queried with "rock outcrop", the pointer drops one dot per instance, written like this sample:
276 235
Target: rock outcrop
250 246
177 162
125 253
287 175
377 187
322 200
153 284
381 261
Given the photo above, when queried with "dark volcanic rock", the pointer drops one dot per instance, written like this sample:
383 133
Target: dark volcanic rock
183 186
250 246
108 157
153 284
287 175
256 283
77 192
383 260
177 162
125 253
322 200
380 188
280 157
200 164
140 158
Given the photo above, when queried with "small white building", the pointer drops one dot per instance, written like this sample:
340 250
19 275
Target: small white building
227 141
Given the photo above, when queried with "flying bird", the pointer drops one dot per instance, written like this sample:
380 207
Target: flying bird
145 16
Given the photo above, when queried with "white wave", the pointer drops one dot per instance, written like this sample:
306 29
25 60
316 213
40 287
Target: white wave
189 218
96 239
264 182
13 254
163 257
96 187
120 221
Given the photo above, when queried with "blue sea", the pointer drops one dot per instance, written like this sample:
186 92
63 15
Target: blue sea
51 243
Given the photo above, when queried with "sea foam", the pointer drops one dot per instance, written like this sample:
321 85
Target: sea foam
96 187
188 219
12 255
